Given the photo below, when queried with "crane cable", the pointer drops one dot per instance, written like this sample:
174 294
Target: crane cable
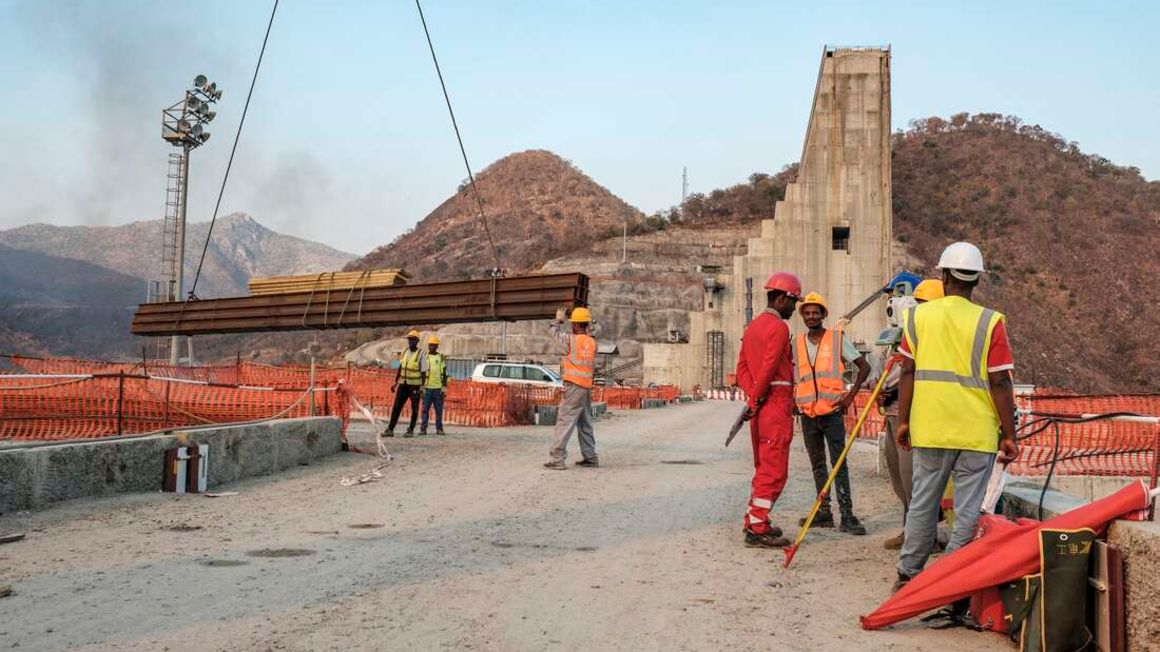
458 137
233 150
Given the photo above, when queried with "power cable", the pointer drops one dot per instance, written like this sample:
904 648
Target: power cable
458 137
233 150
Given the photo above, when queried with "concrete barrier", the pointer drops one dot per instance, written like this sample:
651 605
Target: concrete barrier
36 476
1138 541
648 403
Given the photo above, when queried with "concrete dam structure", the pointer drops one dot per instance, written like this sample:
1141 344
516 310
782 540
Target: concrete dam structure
833 228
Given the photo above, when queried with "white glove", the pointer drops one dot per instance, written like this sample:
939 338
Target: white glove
560 314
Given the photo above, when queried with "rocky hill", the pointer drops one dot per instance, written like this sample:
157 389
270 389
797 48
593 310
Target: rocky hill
538 206
62 306
72 290
1071 240
240 248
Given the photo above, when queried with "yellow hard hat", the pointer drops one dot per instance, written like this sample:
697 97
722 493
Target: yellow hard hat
929 289
815 299
434 339
413 335
581 316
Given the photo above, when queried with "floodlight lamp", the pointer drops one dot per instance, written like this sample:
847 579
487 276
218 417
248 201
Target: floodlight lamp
202 109
193 103
210 115
196 131
204 136
217 95
200 81
211 89
183 127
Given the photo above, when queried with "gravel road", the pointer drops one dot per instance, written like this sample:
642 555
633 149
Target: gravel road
466 543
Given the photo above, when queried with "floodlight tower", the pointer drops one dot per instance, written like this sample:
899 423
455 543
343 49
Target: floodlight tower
183 126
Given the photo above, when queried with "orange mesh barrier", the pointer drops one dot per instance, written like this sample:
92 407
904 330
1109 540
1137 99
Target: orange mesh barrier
1105 447
875 422
467 403
53 408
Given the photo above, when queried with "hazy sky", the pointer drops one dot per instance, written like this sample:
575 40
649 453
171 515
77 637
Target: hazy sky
348 141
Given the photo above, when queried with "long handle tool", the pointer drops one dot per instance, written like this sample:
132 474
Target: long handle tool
824 494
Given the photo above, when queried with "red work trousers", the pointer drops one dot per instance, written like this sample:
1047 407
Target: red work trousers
771 432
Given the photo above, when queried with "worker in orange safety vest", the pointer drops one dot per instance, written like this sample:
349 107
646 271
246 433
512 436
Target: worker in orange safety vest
765 374
821 397
575 411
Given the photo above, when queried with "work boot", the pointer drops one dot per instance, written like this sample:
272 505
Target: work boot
764 540
555 465
773 529
590 463
900 582
5 590
895 542
824 518
388 433
440 431
422 431
409 433
851 525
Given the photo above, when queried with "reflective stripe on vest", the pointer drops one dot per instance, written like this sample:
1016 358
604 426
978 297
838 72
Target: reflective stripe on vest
435 367
579 365
952 405
819 383
411 367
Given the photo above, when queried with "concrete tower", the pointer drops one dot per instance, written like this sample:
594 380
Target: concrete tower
832 229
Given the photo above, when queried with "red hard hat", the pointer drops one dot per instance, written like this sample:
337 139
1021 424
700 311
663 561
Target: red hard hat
786 282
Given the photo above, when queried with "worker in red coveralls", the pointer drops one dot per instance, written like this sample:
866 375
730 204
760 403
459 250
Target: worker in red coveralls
765 373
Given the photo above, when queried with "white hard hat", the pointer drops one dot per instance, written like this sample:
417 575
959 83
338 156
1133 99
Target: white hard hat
963 260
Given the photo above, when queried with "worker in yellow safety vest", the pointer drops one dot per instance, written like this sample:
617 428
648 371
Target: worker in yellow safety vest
577 369
409 380
436 386
820 395
956 405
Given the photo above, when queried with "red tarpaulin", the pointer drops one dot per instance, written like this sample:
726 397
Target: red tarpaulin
1003 553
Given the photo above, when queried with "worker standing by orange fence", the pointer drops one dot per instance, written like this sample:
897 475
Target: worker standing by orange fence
765 373
409 381
435 388
821 396
575 412
955 394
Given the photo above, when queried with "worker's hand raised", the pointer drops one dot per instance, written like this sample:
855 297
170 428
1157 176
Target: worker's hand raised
902 436
841 323
1008 450
560 312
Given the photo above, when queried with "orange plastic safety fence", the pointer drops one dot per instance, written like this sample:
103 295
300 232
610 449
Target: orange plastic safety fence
1104 447
102 406
875 422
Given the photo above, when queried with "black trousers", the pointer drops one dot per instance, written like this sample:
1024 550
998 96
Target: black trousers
820 433
403 394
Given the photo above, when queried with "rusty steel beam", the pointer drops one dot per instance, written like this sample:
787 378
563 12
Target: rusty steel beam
507 299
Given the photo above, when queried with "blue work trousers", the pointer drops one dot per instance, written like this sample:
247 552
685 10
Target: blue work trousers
433 397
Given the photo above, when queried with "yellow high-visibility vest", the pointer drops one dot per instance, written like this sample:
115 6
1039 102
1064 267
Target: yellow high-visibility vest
435 368
411 365
952 406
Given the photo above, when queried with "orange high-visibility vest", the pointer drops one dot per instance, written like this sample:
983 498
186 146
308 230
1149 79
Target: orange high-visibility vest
579 365
819 385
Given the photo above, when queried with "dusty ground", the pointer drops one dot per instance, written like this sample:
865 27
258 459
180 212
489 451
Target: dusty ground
469 544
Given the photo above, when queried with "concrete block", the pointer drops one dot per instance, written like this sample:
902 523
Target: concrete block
35 476
1140 543
649 403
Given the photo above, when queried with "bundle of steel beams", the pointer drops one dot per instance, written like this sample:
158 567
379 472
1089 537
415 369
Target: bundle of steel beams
510 298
